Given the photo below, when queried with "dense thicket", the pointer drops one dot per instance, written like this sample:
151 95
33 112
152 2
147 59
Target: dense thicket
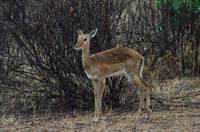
180 24
40 68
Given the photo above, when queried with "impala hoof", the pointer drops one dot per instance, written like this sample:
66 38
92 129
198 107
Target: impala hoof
95 118
149 110
139 112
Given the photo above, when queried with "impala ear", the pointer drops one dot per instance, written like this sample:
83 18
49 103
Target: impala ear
93 33
80 32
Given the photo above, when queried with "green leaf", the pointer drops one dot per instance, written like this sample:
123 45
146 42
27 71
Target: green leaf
198 10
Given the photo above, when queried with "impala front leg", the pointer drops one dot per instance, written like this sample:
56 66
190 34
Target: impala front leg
95 83
99 87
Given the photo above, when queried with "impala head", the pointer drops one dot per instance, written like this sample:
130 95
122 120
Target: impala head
84 39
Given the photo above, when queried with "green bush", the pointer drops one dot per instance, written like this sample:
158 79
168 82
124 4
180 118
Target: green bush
181 12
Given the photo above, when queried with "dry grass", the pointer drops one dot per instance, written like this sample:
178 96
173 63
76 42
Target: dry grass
179 119
182 115
8 120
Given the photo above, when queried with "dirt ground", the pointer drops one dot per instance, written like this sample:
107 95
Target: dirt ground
175 109
174 120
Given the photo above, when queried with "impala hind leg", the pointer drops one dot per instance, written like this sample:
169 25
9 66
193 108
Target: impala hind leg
141 95
148 103
144 90
99 87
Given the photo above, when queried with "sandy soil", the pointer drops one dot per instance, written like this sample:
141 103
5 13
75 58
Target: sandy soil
175 120
179 113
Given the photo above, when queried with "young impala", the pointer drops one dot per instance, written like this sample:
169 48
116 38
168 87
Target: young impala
109 63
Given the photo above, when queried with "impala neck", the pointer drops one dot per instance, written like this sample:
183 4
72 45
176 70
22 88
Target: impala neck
86 55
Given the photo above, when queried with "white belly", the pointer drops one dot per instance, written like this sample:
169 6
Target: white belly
90 76
122 72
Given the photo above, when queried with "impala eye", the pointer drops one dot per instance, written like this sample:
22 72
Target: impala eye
84 39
